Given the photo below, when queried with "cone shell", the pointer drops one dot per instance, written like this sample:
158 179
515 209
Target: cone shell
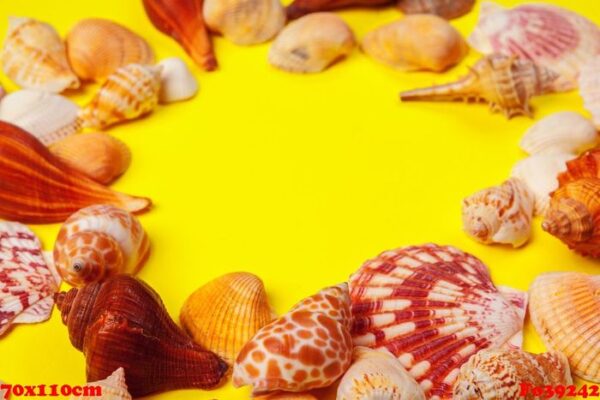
433 307
448 9
589 88
377 375
312 43
299 8
97 47
498 374
112 388
223 315
564 309
176 81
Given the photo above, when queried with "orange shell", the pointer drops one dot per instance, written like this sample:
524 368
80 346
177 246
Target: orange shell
585 166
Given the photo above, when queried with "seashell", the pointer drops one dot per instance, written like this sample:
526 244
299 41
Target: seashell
448 9
539 172
34 57
28 282
589 88
562 132
245 22
2 95
309 347
99 241
286 396
112 388
312 43
122 323
377 375
47 116
417 42
98 156
584 166
550 36
176 81
433 307
500 214
299 8
564 310
98 47
35 187
129 93
505 83
498 374
183 21
223 315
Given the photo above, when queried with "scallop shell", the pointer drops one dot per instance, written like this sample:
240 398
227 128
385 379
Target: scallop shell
34 57
47 116
245 22
312 43
176 81
448 9
112 388
562 132
225 313
552 37
129 93
564 310
589 88
539 173
500 214
417 42
498 374
98 47
433 307
98 156
377 375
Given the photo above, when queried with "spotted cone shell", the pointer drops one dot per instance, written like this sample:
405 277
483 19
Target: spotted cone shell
113 387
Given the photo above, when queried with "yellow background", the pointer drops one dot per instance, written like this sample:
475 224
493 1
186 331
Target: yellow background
298 179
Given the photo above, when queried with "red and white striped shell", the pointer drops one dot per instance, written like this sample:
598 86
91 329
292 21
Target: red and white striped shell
433 307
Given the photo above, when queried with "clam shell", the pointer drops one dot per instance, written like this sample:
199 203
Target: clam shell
448 9
97 47
312 43
589 88
225 313
112 388
176 81
34 57
48 116
98 156
564 309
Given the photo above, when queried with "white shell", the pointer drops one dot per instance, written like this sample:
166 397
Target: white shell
176 81
562 132
589 84
49 117
113 388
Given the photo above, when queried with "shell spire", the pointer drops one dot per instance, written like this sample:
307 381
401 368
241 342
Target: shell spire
114 387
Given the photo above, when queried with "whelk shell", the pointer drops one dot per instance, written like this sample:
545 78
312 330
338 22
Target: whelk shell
34 57
589 88
417 42
448 9
299 8
564 310
587 165
98 47
176 81
312 43
112 388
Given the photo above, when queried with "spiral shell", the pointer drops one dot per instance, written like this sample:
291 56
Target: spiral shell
448 9
113 387
176 81
589 88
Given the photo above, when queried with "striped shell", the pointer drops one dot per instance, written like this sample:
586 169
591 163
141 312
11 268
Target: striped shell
589 88
100 241
433 307
564 309
113 387
448 9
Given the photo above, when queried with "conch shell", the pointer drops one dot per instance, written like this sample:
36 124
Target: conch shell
35 187
176 81
589 88
417 42
506 83
586 165
299 8
498 374
312 43
223 315
98 47
112 388
183 21
245 22
448 9
500 214
122 323
377 375
34 57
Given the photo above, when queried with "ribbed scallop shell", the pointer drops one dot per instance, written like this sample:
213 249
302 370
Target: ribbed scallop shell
312 43
98 47
553 37
34 57
448 9
113 387
432 307
223 315
176 81
500 214
564 309
498 374
589 88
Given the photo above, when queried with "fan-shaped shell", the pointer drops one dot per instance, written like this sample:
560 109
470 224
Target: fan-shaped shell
564 309
312 43
553 37
98 47
589 88
433 307
34 57
176 81
448 9
223 315
113 387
